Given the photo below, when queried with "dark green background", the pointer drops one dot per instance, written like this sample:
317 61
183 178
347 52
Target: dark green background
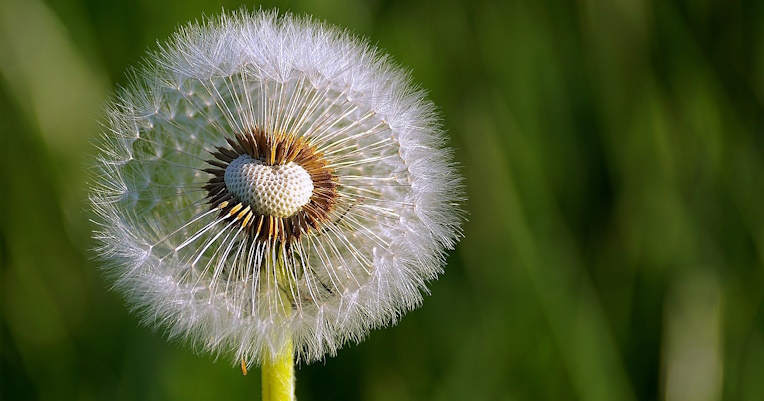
614 161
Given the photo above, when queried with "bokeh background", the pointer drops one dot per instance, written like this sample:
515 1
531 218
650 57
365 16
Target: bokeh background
614 161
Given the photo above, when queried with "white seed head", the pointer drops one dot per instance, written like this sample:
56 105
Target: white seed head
266 179
279 190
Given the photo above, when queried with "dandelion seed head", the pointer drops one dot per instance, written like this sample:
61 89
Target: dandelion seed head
265 179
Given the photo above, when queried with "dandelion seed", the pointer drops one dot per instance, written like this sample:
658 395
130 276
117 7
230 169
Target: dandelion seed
268 181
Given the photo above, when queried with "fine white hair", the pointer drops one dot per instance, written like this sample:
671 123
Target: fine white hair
196 275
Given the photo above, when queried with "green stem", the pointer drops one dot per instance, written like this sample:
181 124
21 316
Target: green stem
278 370
278 376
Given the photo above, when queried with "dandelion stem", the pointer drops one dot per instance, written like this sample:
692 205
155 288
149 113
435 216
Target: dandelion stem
278 370
278 376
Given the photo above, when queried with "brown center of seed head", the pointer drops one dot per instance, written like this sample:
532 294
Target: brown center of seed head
278 151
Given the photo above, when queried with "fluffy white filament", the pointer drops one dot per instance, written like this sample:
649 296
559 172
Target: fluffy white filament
195 274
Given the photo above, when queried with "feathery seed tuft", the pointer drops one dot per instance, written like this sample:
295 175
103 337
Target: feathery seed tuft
269 179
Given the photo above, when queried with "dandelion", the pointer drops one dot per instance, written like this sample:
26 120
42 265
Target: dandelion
269 187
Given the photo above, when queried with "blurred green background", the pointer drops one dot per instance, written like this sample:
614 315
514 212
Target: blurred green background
614 161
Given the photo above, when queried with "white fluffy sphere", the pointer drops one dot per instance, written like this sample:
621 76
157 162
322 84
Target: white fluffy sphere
357 199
